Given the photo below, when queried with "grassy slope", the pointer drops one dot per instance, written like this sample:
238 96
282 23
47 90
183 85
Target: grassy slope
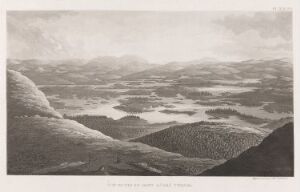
24 98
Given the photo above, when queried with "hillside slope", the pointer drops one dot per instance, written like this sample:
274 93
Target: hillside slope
24 98
125 128
39 141
273 157
205 139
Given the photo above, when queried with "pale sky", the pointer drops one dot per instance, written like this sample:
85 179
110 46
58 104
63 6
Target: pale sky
158 37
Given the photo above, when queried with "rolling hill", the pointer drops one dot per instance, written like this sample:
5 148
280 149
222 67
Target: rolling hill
264 69
205 139
25 99
273 157
79 72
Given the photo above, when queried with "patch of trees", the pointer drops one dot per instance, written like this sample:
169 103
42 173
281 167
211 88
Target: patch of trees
134 105
204 140
227 112
167 111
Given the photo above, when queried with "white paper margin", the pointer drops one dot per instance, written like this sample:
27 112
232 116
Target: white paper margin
127 183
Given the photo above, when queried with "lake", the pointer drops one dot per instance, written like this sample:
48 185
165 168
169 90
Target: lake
100 106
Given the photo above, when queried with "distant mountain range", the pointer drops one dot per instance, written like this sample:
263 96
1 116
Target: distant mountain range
98 70
117 66
273 157
213 70
94 71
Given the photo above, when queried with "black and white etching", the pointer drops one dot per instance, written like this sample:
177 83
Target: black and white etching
195 93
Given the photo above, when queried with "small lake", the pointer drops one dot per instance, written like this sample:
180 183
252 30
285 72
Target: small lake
219 89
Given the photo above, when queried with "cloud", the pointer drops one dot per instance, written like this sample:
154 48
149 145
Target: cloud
280 46
251 45
158 37
45 15
27 37
268 24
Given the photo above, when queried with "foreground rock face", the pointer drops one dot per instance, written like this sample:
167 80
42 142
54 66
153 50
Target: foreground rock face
40 141
273 157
